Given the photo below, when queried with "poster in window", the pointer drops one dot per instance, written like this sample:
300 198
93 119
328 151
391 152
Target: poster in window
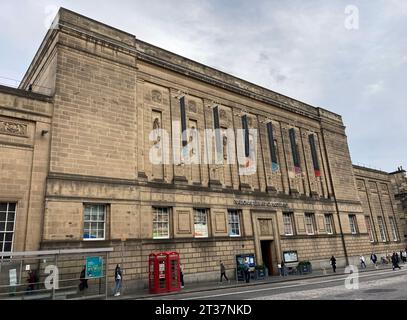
201 230
290 256
13 277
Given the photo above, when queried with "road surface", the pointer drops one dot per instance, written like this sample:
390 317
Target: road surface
373 285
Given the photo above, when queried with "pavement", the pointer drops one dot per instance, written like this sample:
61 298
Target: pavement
214 286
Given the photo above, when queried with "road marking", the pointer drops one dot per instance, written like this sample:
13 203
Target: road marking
288 286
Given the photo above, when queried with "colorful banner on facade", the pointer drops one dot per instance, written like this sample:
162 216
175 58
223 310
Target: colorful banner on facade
275 167
294 151
183 121
272 147
245 128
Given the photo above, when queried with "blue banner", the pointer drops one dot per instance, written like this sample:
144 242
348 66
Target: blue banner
94 267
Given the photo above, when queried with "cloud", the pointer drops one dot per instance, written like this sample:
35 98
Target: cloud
374 88
298 48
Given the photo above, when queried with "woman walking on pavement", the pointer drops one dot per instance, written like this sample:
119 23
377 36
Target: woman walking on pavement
118 277
223 272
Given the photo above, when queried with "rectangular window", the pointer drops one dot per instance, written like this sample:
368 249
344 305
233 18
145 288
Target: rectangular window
294 151
94 222
381 229
288 224
353 224
234 223
272 147
200 223
310 223
7 225
369 228
161 223
314 155
393 228
329 224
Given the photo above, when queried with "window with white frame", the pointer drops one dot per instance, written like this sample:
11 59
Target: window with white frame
369 228
393 228
310 223
7 225
353 224
234 223
288 224
329 223
161 223
382 230
200 223
94 222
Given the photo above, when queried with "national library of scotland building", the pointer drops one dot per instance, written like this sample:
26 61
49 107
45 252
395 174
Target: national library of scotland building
112 142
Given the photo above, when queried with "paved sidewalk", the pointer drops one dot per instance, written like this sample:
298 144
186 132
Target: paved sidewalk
208 286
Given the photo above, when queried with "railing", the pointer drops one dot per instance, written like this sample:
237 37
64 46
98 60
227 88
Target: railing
14 285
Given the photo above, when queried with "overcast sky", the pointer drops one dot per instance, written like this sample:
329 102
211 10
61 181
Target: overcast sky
303 49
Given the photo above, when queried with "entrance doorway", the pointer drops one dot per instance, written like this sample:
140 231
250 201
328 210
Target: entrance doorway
266 253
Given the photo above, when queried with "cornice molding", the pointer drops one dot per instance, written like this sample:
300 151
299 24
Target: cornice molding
25 94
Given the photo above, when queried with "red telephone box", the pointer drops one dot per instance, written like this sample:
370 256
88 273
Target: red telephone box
174 272
164 272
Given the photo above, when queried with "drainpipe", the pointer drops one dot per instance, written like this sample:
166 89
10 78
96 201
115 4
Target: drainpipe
336 202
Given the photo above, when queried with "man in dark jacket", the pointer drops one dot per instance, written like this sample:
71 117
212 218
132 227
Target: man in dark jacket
246 268
333 263
373 258
31 281
394 260
83 281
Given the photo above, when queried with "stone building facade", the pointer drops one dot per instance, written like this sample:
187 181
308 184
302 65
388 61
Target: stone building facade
382 215
79 171
399 182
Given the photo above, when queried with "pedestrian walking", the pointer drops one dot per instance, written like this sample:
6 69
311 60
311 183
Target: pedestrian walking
246 269
404 256
373 258
283 268
118 278
362 262
181 272
223 272
83 284
333 263
31 281
280 269
394 261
